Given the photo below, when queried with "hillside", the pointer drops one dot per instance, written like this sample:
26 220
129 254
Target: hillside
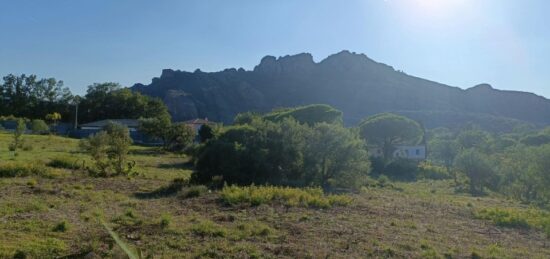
353 83
56 215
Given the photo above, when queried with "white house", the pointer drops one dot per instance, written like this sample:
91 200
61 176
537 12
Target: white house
407 152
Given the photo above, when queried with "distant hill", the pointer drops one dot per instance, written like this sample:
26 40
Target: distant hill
353 83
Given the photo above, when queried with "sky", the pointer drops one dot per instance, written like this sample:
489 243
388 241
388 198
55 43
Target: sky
462 43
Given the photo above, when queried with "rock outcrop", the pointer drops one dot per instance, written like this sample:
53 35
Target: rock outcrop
353 83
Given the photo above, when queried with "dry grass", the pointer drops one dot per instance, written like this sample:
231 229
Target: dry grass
410 220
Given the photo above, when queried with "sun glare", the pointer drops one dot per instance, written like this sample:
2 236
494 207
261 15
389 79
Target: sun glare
434 12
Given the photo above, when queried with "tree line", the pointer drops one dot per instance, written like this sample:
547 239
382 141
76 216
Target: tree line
27 96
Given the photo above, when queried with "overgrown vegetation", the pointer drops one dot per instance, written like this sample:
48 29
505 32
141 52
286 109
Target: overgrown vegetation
303 197
159 214
18 169
285 153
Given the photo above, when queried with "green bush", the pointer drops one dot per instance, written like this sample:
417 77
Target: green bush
514 218
195 191
402 169
207 228
14 169
39 127
284 153
165 220
62 226
295 197
430 171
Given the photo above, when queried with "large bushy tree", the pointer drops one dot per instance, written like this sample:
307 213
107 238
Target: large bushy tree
174 136
309 114
387 130
477 166
111 101
285 152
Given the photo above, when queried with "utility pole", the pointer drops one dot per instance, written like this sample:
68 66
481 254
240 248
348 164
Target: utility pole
76 102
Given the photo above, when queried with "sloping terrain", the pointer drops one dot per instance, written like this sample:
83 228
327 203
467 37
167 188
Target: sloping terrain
52 216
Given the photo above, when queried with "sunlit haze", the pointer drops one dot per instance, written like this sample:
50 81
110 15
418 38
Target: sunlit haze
456 42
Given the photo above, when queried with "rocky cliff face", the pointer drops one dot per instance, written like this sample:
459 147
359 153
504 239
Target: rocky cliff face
353 83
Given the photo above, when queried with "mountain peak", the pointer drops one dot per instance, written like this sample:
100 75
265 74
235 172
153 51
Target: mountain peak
481 87
288 63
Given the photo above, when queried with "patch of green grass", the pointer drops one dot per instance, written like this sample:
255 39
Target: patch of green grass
517 218
504 217
207 228
294 197
250 229
18 169
8 208
65 162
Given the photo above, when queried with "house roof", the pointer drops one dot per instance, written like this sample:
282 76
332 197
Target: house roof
130 123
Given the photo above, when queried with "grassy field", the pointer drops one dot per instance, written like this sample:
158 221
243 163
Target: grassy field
60 214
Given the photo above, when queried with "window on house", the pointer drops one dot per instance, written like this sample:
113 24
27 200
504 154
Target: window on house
418 152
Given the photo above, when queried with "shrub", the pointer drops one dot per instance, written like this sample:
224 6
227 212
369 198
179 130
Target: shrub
62 226
27 147
195 191
401 169
165 220
32 183
207 228
427 170
18 135
516 218
109 151
295 197
181 136
39 127
285 153
14 169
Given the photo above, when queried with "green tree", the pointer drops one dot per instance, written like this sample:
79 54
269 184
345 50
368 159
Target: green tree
286 153
444 151
206 132
181 136
309 114
111 101
97 146
109 151
53 118
39 127
246 118
473 139
477 167
336 157
157 127
387 130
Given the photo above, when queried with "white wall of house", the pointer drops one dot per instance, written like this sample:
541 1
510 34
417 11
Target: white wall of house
411 152
407 152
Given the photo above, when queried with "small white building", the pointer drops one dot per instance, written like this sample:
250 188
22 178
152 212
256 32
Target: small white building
407 152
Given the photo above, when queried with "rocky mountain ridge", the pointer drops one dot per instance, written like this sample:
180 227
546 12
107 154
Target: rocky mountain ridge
353 83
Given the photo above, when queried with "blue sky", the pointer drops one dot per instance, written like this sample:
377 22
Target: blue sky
457 42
